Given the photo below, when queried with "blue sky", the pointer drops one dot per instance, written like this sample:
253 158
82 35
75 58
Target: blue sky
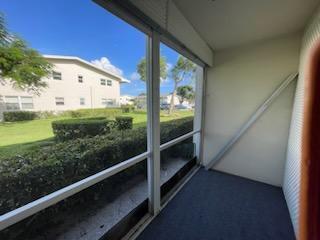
82 28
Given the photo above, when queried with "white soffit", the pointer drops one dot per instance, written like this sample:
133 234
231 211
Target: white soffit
230 23
168 16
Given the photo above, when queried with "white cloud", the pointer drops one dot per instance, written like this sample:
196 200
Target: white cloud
135 76
169 66
105 64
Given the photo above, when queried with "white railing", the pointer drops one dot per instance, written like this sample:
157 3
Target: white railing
52 198
177 140
42 203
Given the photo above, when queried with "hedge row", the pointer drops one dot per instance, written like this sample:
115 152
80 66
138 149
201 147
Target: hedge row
124 122
26 177
81 127
14 116
95 112
68 129
127 108
86 112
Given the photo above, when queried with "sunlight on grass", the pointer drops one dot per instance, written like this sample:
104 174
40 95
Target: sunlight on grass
26 131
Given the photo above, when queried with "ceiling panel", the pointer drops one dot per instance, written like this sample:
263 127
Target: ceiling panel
228 23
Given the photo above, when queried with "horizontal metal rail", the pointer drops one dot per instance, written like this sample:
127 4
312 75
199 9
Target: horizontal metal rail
29 209
256 115
177 140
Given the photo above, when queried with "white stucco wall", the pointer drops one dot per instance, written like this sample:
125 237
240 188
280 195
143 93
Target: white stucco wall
126 100
239 82
70 89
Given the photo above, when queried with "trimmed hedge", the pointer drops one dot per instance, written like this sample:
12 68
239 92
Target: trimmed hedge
46 114
95 112
16 116
81 127
26 177
127 108
168 131
124 122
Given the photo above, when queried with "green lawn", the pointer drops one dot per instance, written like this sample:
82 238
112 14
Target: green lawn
19 136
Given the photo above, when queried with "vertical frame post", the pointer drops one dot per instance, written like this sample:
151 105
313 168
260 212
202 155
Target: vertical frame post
198 112
153 108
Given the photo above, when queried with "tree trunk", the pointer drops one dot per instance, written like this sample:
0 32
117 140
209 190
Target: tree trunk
173 97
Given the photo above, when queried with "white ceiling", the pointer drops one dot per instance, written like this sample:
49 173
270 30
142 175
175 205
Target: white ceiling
229 23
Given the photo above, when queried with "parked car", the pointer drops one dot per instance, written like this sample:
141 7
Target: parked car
182 107
164 106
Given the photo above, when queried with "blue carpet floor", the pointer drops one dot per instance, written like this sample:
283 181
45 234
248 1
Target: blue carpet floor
214 205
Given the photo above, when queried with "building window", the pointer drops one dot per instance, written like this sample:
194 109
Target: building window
82 101
108 102
109 82
59 101
102 81
26 102
12 103
56 75
80 79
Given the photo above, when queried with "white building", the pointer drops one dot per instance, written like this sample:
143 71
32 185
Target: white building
126 100
74 84
141 101
166 99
